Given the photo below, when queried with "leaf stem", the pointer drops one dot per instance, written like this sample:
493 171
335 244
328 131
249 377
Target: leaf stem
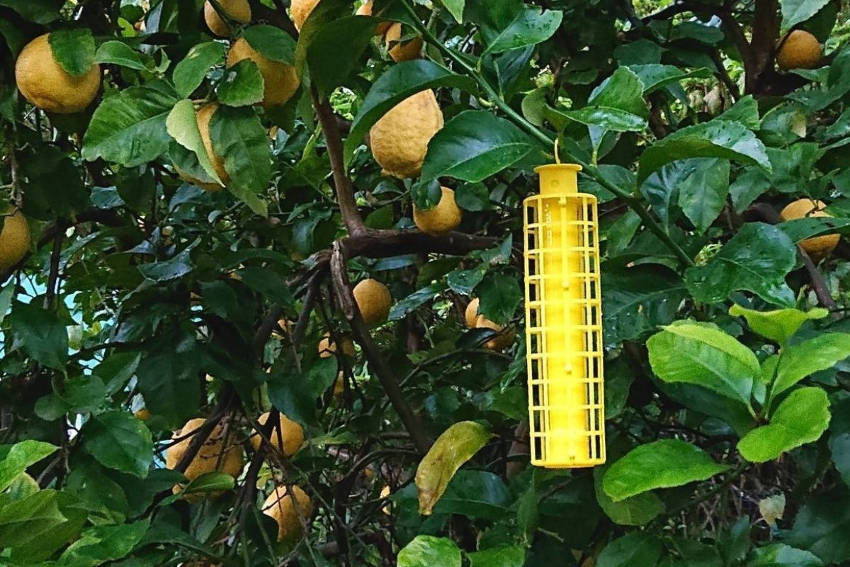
547 139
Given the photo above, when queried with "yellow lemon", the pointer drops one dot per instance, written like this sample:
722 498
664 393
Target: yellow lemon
800 50
237 10
300 10
281 79
288 507
327 346
374 300
444 217
14 240
48 86
399 140
219 452
292 432
401 50
818 246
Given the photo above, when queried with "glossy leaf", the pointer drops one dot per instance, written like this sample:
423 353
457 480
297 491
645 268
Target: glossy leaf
475 145
21 456
779 325
632 549
450 451
119 53
805 358
190 72
797 11
718 138
428 551
756 259
801 418
704 356
242 85
40 334
23 520
73 49
129 128
120 441
822 524
660 464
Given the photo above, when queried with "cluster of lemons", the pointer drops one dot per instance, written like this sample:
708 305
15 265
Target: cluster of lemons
289 505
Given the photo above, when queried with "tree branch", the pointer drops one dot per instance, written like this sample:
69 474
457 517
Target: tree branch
348 306
344 189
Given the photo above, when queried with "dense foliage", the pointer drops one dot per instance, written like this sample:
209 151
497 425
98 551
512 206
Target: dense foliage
330 428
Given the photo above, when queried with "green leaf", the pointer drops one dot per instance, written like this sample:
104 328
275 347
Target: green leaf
638 300
475 145
182 125
334 52
239 136
73 49
242 85
119 53
717 138
429 551
455 8
798 11
500 297
129 128
450 451
465 281
631 550
704 356
757 259
803 359
655 76
41 168
660 464
40 334
271 42
36 11
168 380
167 270
623 90
210 482
19 457
745 111
801 418
397 83
612 119
23 520
7 294
190 72
102 544
526 26
781 555
822 525
120 441
703 190
415 300
839 437
505 556
635 511
294 393
779 325
476 494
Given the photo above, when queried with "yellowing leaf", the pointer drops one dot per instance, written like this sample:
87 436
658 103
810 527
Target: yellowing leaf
452 449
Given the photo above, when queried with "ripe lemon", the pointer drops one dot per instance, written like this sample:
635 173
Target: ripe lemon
374 301
471 313
293 435
143 414
444 217
14 240
204 116
300 10
476 321
327 346
399 140
48 86
401 50
281 80
366 10
800 50
288 508
237 10
216 453
818 246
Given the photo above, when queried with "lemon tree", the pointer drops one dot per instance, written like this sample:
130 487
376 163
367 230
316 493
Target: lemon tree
261 281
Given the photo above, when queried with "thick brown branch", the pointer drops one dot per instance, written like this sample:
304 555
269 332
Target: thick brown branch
348 306
344 189
384 243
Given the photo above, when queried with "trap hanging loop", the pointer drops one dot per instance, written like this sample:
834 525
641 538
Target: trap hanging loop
563 322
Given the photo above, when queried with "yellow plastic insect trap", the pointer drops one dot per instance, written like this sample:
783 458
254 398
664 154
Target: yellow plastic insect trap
563 323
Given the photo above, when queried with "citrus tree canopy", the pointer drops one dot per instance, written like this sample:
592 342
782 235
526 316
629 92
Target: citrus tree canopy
262 296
